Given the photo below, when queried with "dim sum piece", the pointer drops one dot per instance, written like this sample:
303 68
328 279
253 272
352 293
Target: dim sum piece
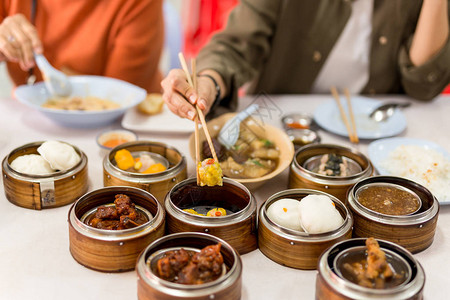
216 212
286 213
333 165
32 164
193 211
60 156
124 159
209 172
318 214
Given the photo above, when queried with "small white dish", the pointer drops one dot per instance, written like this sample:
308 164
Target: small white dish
121 135
379 151
328 117
125 94
166 122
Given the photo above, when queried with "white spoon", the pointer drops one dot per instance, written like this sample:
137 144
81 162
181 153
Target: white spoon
56 81
229 133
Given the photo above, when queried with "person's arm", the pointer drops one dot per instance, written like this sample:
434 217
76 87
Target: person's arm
233 57
425 68
138 41
431 31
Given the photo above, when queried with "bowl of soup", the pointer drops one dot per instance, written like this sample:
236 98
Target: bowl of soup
261 152
394 209
95 101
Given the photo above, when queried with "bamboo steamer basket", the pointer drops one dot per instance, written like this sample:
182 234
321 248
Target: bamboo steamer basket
43 191
302 177
158 184
293 248
112 250
415 232
238 229
331 286
226 287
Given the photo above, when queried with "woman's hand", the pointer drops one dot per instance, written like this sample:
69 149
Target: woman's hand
180 97
18 41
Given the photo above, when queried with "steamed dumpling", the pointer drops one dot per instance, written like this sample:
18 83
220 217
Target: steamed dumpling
318 214
31 164
61 156
285 212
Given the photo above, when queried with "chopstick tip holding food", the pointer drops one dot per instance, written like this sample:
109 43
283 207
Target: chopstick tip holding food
208 171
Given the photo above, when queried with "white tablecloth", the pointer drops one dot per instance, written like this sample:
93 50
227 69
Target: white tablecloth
35 262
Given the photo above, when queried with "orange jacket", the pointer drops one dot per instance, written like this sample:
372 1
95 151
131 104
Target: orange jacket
116 38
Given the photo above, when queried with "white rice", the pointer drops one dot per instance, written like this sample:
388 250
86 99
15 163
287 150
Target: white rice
424 166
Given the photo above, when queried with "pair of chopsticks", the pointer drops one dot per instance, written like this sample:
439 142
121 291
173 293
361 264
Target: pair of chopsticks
193 83
351 128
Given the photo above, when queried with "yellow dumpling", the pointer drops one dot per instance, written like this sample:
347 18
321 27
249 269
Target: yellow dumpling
209 172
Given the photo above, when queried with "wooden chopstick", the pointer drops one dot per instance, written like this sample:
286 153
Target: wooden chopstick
196 137
199 111
352 116
335 94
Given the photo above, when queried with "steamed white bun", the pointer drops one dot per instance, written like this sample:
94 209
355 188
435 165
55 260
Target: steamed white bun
31 164
318 214
60 156
285 212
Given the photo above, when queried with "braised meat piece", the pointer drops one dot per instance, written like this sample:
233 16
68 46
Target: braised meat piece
169 266
376 261
121 216
185 267
373 272
107 224
106 212
124 206
205 266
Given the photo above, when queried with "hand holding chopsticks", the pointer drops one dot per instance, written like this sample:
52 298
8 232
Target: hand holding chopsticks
193 83
351 127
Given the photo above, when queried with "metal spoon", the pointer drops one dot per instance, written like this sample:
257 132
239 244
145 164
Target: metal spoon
56 81
229 133
385 111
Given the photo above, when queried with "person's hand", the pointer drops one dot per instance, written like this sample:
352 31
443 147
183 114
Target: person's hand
180 97
18 41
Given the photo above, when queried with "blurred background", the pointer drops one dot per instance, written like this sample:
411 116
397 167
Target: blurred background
184 31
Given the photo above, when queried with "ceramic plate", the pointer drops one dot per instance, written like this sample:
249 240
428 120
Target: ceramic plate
166 122
379 151
328 117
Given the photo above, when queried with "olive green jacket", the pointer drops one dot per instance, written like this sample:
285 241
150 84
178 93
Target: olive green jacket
281 45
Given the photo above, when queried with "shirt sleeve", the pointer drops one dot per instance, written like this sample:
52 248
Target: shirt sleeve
428 80
238 52
138 36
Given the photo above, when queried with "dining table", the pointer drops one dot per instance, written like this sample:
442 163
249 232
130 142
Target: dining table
35 261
